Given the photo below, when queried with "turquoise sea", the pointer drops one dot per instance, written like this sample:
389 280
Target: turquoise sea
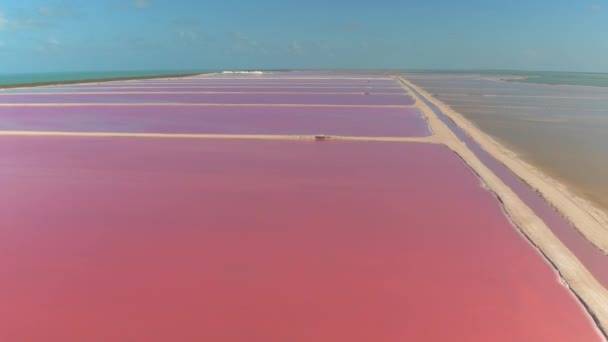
595 79
566 78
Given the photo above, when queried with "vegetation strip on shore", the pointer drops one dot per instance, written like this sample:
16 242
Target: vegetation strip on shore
93 80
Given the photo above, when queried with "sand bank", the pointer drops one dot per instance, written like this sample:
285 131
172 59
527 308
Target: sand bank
592 294
591 221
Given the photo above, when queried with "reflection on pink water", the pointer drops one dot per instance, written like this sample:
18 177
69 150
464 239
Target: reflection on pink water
208 240
361 121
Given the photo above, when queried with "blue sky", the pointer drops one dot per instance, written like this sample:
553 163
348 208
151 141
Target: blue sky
70 35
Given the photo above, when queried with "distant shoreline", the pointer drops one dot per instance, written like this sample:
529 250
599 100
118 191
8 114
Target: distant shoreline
535 80
557 78
95 80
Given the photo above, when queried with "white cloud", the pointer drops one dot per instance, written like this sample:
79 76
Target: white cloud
596 7
2 44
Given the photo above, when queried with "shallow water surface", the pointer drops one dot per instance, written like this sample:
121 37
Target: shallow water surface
115 239
563 130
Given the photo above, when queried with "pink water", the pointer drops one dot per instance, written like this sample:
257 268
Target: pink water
121 239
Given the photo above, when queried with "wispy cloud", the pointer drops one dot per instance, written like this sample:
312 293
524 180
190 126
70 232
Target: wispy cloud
185 21
295 48
37 18
531 53
188 37
19 23
49 45
596 7
3 21
132 4
243 43
453 36
351 27
325 48
54 12
240 37
53 41
2 44
142 4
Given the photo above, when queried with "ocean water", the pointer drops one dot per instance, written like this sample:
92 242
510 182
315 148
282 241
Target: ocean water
565 78
12 79
561 129
536 77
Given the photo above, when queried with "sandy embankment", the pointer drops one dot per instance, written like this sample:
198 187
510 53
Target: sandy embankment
427 140
588 219
592 295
